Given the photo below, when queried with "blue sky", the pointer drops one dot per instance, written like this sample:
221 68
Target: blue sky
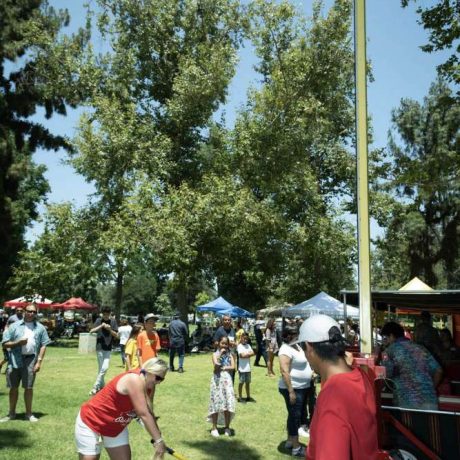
400 70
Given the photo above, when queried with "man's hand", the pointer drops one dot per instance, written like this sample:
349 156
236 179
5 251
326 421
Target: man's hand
22 341
160 450
292 397
37 367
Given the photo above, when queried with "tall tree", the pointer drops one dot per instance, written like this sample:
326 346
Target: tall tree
291 142
424 231
29 44
168 71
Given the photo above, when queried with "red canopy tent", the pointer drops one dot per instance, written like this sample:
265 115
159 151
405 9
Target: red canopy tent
74 303
23 301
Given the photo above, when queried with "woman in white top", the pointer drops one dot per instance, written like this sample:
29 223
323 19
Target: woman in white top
294 385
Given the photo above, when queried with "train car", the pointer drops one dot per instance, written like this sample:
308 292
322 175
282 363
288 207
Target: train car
413 434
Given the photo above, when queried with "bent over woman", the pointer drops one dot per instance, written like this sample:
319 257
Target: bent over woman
104 418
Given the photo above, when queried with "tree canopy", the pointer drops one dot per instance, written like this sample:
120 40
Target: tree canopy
184 204
442 20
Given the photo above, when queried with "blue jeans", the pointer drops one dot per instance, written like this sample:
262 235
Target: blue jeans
122 352
296 411
103 361
172 353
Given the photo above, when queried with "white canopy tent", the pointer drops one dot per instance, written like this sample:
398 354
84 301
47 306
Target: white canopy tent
321 303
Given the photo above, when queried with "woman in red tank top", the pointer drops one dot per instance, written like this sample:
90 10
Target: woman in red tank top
104 418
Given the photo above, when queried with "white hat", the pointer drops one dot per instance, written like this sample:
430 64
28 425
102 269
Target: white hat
150 316
316 329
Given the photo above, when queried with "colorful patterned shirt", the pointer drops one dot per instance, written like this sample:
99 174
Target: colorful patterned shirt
411 367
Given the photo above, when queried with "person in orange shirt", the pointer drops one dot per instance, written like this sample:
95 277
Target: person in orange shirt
148 341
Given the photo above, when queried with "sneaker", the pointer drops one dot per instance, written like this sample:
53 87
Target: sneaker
32 418
181 370
214 433
304 432
93 391
299 452
250 400
241 400
228 432
8 418
288 445
171 369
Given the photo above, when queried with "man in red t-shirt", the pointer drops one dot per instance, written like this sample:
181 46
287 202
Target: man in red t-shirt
148 341
344 425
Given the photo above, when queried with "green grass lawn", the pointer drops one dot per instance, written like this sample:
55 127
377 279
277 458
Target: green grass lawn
181 402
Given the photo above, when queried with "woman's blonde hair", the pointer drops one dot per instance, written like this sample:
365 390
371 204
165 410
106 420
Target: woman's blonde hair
155 365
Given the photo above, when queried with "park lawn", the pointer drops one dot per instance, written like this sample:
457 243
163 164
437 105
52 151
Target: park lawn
181 402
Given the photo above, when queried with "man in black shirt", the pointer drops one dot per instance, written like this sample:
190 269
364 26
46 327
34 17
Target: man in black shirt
107 332
178 336
259 329
226 330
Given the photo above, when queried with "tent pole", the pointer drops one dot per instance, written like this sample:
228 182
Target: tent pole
345 324
362 177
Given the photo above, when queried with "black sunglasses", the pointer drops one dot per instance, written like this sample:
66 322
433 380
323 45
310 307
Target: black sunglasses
158 377
31 311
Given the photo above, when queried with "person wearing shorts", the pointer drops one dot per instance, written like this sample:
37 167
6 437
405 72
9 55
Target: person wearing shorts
103 420
26 340
245 352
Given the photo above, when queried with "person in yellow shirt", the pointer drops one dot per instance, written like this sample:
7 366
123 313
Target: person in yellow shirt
239 331
132 360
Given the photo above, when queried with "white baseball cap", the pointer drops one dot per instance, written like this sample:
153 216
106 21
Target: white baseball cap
316 329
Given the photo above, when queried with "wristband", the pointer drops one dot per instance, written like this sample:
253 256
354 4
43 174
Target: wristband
158 441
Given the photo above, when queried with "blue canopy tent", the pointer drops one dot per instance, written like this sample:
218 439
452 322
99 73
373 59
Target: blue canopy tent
215 306
220 306
320 303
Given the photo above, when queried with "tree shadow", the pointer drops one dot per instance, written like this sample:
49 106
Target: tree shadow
64 343
224 448
16 439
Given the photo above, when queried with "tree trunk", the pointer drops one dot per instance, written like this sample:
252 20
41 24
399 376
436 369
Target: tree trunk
182 299
119 291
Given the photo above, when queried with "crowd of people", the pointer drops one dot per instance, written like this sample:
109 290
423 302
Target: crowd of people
342 418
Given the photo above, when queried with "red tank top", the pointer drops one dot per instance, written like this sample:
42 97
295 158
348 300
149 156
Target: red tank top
109 412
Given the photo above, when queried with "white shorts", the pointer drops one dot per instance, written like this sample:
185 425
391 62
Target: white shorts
90 443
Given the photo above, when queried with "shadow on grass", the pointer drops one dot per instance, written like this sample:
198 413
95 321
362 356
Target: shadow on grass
64 343
225 448
10 438
21 417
